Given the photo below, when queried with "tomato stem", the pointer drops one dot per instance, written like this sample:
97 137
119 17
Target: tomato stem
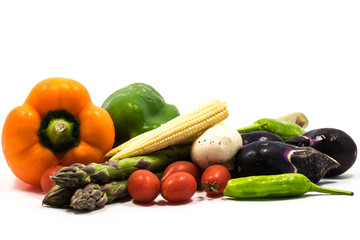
211 187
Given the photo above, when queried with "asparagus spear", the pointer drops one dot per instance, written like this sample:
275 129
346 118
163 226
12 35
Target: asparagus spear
58 196
88 198
79 175
94 195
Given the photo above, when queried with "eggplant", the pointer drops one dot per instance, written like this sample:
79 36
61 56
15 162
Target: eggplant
256 136
269 157
333 142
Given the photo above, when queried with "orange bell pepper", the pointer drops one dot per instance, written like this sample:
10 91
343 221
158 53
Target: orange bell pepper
57 125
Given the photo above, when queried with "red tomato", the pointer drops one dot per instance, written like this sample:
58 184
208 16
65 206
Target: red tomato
214 179
178 187
143 186
46 183
182 166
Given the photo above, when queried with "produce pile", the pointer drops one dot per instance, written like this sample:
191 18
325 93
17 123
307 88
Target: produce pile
136 145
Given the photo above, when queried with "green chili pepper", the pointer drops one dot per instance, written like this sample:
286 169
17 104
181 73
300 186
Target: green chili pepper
285 130
272 186
296 117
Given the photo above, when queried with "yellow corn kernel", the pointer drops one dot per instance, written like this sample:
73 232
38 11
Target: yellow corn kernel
177 131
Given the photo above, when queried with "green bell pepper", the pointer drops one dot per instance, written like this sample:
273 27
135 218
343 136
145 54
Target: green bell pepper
136 109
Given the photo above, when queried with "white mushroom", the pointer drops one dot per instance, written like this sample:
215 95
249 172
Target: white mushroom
216 145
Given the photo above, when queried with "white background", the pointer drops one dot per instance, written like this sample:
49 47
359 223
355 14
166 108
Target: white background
264 58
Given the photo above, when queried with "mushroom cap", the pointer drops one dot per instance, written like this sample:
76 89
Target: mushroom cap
216 145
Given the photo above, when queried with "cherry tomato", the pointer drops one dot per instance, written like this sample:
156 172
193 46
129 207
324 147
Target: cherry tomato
182 166
178 187
214 179
46 183
143 186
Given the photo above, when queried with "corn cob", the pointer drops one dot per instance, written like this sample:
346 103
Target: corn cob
177 131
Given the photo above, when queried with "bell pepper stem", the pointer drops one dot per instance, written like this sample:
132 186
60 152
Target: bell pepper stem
59 131
60 127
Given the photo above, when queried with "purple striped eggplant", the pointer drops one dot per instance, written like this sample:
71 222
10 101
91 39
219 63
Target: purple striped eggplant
269 157
333 142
